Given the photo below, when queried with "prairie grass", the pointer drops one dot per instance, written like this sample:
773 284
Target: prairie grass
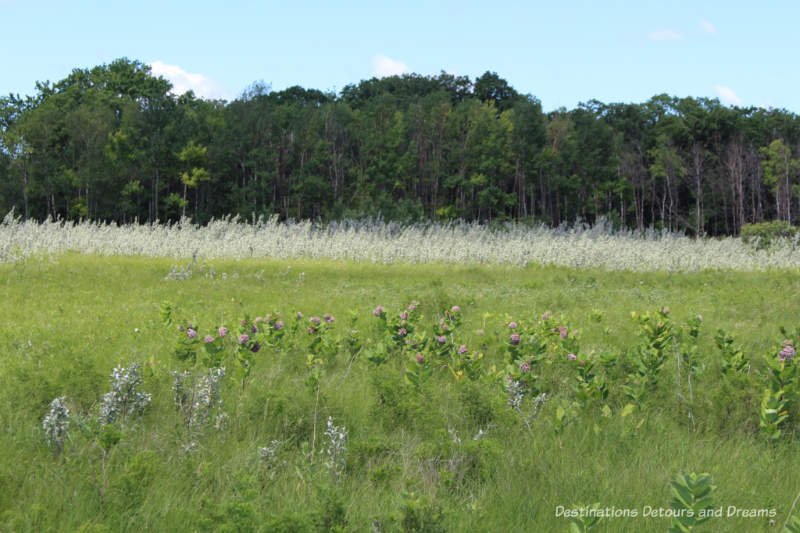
412 461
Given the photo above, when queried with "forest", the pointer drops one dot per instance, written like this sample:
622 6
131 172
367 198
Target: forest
113 143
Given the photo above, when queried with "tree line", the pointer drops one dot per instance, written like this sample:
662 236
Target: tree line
112 143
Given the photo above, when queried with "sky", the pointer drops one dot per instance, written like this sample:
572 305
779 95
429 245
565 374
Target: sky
562 52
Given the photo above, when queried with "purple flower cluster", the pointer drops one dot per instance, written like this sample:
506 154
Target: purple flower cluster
572 357
787 353
441 339
512 325
209 338
191 333
525 367
462 349
243 338
278 325
378 311
222 331
514 339
402 332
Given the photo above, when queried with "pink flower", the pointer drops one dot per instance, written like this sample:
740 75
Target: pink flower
327 316
512 325
315 320
191 334
665 310
180 328
480 332
462 349
412 306
330 319
222 331
455 309
572 357
445 327
243 338
310 329
441 339
402 332
563 332
254 329
419 358
514 339
278 325
299 315
259 319
547 315
243 322
378 311
787 354
525 368
404 315
209 338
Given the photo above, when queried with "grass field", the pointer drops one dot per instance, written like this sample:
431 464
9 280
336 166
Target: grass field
419 446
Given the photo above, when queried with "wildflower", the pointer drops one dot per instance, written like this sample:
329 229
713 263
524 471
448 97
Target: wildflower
665 310
787 353
299 315
222 331
441 339
180 328
330 319
278 325
243 322
462 349
512 325
243 338
259 319
572 357
404 315
256 347
191 334
402 332
310 329
480 332
563 332
327 317
514 339
455 309
419 358
56 423
445 327
123 397
254 329
547 315
315 320
378 311
412 306
525 367
209 338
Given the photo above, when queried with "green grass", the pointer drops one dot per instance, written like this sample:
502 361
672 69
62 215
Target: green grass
65 325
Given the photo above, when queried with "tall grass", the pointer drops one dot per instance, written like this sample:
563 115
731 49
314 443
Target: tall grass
580 246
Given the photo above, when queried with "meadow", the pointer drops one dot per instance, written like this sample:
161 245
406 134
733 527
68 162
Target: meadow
319 393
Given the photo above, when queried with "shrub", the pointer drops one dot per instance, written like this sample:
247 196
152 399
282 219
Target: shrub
763 234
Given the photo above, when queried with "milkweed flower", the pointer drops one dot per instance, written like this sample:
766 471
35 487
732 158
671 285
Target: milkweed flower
787 353
455 309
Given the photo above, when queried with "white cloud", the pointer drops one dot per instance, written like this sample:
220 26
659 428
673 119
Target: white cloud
182 81
727 96
665 35
385 66
707 27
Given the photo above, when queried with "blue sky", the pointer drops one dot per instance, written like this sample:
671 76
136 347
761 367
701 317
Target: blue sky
563 52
